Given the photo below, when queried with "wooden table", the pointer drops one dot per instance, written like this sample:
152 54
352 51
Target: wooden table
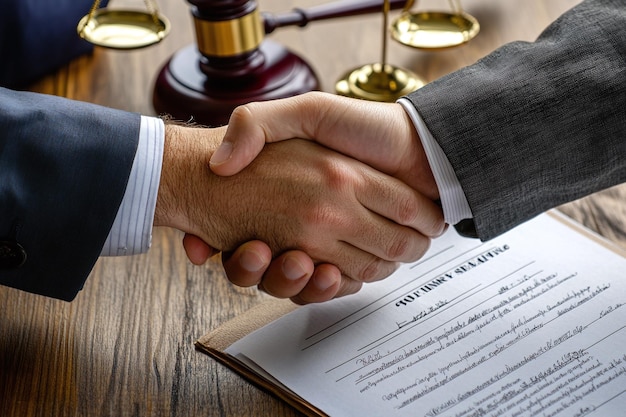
125 346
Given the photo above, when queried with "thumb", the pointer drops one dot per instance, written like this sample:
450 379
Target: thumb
243 140
196 249
253 125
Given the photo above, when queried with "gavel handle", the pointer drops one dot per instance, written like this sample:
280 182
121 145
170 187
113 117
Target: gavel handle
341 8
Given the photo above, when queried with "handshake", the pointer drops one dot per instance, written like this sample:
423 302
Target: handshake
310 218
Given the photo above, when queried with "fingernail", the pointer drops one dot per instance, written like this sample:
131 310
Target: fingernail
251 261
293 269
222 154
323 282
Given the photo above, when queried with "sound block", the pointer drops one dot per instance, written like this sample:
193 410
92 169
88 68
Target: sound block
183 91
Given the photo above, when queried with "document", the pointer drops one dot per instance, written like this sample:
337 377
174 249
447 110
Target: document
532 323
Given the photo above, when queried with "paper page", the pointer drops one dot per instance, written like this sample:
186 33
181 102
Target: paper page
530 323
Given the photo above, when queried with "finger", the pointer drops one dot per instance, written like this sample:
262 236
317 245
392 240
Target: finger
288 274
242 142
394 200
371 246
250 127
324 285
383 244
247 264
348 286
357 264
197 250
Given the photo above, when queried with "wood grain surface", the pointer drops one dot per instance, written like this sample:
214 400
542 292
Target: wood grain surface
125 346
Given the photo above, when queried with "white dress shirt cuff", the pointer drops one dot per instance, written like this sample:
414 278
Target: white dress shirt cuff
132 229
453 201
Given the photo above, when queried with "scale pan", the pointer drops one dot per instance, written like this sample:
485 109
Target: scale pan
434 30
375 83
123 29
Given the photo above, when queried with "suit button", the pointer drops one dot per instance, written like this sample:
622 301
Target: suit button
12 255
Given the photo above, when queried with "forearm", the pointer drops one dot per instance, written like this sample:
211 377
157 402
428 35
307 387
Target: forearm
63 170
186 180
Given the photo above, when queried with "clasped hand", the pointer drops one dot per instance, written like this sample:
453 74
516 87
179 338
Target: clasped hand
301 220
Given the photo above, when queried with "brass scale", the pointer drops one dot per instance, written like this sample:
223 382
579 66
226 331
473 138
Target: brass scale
380 81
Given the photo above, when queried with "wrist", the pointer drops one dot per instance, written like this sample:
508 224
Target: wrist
186 154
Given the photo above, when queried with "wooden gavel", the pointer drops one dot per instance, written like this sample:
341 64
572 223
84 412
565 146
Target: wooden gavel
233 63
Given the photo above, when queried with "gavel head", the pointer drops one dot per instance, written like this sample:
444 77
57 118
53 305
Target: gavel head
228 35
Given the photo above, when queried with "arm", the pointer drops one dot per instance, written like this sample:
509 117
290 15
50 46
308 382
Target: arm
80 154
63 170
535 125
64 166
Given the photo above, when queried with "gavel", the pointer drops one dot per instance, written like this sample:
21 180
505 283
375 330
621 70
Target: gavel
233 63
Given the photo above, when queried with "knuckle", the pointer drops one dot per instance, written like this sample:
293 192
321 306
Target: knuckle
242 112
407 210
336 175
419 215
319 215
400 248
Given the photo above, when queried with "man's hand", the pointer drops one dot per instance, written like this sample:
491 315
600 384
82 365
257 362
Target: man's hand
378 134
296 195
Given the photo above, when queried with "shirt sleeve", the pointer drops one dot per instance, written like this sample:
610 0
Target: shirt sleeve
453 201
131 232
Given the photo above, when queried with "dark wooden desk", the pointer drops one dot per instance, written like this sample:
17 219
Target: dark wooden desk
125 345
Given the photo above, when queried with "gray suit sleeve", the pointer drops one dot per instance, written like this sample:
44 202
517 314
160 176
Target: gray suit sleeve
64 166
535 125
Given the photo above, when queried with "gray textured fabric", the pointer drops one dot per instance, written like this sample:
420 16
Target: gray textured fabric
536 124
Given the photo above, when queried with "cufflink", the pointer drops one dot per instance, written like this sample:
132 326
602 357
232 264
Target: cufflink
12 254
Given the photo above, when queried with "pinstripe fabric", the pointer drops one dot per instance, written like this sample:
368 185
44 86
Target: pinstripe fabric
131 232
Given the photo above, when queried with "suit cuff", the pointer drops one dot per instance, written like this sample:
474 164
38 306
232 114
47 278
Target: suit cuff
131 232
453 201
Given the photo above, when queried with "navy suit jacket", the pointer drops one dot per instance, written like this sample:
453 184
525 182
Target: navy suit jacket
64 166
38 36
